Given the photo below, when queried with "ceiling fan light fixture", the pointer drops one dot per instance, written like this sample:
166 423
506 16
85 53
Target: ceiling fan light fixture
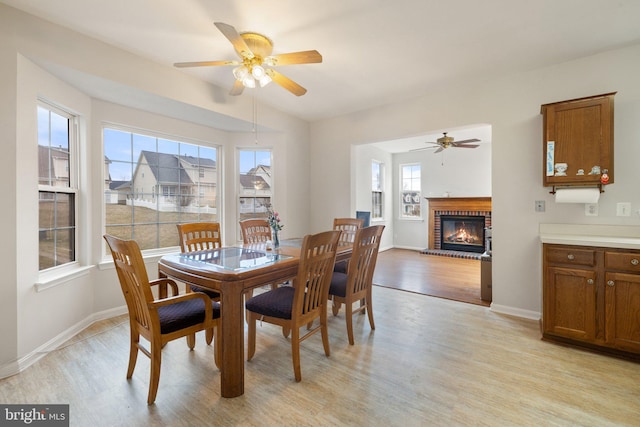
249 81
264 80
258 72
240 72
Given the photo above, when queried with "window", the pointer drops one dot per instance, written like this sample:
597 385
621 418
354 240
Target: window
377 185
57 187
255 183
410 192
153 183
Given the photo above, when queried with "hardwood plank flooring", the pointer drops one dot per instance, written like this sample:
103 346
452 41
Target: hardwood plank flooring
444 277
430 362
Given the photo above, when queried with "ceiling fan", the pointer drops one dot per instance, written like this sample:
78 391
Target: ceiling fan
445 142
256 61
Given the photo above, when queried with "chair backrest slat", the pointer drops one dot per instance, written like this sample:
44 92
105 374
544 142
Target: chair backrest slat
348 226
133 278
256 230
199 236
363 258
317 258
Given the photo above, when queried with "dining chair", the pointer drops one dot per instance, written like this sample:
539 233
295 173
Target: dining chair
255 230
356 285
293 307
157 320
348 226
200 236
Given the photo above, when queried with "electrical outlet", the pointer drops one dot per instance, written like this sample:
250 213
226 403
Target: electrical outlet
539 205
591 209
623 209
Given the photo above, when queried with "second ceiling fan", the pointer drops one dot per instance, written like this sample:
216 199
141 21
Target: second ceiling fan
445 142
256 61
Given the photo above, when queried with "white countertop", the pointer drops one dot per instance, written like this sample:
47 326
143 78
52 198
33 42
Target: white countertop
608 236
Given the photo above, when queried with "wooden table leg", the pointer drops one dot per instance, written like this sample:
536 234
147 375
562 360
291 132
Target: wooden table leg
232 340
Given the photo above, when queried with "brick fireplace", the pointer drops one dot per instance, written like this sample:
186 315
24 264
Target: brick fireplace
456 207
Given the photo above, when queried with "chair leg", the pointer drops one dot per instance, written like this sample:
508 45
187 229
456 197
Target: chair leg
209 335
370 310
156 358
191 341
324 330
295 353
133 354
335 307
349 319
251 335
285 331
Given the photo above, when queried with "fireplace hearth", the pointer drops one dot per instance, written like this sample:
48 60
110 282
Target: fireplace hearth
462 233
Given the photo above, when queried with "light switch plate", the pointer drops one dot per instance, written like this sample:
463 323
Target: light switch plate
623 209
540 205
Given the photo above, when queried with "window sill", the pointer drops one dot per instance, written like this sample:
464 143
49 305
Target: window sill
55 278
150 255
411 219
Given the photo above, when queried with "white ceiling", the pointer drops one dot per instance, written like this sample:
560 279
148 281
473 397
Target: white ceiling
375 51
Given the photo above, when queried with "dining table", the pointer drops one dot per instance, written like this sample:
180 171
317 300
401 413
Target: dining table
231 271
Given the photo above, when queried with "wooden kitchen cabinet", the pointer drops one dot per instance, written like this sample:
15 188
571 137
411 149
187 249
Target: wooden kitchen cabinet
591 297
581 132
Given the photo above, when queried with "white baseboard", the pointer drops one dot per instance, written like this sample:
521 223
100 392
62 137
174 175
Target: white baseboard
518 312
23 363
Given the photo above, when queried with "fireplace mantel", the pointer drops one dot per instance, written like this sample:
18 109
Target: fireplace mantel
470 204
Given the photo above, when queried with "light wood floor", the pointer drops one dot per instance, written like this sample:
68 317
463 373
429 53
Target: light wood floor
430 362
444 277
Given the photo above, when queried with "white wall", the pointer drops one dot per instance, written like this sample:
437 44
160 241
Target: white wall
363 156
31 52
511 104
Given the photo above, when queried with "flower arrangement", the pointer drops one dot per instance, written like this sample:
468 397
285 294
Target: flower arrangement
274 219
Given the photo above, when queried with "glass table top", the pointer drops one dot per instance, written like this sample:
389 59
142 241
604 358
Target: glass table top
234 259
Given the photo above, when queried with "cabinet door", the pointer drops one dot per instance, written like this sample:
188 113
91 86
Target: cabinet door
570 303
622 304
582 131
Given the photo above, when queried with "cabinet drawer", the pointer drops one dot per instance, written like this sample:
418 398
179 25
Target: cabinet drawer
571 256
625 261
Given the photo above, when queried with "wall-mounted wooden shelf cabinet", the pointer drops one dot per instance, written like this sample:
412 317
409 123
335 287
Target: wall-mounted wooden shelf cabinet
578 132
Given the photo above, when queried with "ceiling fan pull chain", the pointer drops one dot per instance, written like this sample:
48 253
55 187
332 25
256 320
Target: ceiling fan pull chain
255 119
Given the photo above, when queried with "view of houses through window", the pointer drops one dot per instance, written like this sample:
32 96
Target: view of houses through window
153 183
256 186
376 190
410 192
57 187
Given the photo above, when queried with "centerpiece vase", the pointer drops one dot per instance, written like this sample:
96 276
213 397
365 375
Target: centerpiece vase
276 238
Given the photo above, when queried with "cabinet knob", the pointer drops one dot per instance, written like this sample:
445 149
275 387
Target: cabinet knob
635 261
571 257
610 283
590 281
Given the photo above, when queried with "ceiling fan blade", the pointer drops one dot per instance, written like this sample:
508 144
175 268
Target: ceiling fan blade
205 63
305 57
464 146
234 37
237 88
465 141
286 83
438 150
422 149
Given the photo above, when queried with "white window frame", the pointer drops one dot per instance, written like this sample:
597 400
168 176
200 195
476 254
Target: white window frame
377 188
241 192
73 188
414 192
164 190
